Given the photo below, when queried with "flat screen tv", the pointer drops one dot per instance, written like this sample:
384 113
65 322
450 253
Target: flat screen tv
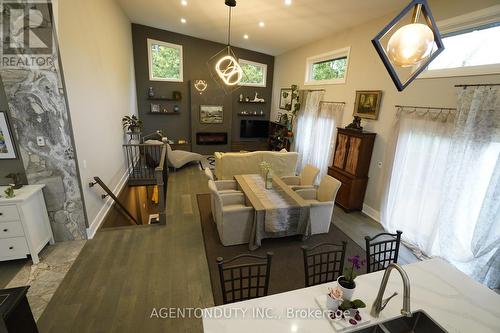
254 129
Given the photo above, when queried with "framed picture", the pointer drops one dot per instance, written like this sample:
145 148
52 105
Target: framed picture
155 108
211 114
7 150
367 104
286 99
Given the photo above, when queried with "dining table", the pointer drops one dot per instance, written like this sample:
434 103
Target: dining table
279 211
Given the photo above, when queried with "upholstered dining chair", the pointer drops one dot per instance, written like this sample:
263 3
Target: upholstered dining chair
233 218
223 186
382 250
304 180
323 262
246 280
322 201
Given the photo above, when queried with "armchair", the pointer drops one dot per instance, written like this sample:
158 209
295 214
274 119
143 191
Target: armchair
305 180
233 218
322 201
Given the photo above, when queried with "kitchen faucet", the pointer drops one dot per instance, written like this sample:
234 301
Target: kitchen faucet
379 304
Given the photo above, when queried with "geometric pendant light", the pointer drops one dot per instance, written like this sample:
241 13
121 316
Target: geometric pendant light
409 43
227 67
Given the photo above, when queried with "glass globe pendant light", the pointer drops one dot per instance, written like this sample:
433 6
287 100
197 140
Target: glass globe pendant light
227 68
411 43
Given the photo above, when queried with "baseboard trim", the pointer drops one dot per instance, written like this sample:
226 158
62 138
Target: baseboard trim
373 213
103 212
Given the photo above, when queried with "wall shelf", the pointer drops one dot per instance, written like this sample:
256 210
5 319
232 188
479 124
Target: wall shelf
166 99
251 115
164 113
250 102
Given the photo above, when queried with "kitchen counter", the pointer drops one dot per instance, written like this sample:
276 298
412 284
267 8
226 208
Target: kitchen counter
451 298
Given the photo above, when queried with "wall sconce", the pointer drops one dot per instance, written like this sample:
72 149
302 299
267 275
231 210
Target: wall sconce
200 86
409 43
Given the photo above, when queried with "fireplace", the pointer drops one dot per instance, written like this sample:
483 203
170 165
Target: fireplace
206 139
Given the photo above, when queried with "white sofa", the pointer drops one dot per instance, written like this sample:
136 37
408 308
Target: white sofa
228 165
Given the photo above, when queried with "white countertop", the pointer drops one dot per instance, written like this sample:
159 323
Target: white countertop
451 298
21 194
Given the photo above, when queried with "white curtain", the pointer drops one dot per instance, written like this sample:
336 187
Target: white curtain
316 132
443 187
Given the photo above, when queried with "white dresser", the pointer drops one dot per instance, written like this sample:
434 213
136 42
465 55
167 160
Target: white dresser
24 224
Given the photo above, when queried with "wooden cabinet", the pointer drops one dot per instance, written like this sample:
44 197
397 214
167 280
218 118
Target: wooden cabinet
351 162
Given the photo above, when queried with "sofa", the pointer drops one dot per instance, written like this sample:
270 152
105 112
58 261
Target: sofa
228 165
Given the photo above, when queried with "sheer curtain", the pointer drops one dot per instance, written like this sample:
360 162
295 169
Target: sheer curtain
443 188
316 132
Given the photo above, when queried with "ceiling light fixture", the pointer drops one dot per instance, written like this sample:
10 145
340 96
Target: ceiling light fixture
262 24
288 2
183 20
227 68
412 47
184 2
245 36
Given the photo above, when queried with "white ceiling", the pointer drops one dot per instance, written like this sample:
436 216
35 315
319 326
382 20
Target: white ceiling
286 27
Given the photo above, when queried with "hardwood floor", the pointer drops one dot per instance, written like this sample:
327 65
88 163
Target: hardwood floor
124 273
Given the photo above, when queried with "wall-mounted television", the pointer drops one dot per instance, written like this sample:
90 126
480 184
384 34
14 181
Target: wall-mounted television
254 129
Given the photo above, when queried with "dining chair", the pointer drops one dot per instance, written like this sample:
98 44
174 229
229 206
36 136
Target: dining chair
322 202
248 280
304 180
223 186
323 262
381 253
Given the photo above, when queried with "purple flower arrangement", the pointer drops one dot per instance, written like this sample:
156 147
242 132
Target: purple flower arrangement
350 272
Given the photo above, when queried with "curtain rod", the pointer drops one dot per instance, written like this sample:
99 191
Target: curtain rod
331 102
478 85
423 107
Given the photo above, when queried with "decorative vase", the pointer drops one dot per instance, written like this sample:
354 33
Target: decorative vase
332 304
269 180
151 92
346 292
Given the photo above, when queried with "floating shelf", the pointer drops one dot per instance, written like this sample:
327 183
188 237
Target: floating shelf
250 102
251 115
167 99
165 113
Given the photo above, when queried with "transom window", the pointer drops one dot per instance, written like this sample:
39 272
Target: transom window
327 68
255 73
165 61
470 48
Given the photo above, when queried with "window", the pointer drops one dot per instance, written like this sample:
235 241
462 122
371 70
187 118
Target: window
165 61
255 74
471 45
328 68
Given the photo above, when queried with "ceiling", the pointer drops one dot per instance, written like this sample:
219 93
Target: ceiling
286 27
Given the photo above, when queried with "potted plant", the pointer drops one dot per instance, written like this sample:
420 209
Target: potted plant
132 123
267 174
346 281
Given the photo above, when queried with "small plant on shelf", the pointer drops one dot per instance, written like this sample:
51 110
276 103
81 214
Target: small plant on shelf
132 124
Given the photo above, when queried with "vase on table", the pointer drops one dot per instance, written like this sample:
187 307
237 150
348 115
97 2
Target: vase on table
347 287
269 179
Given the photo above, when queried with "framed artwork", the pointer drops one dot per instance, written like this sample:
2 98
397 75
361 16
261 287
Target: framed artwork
211 114
367 104
7 150
155 108
286 99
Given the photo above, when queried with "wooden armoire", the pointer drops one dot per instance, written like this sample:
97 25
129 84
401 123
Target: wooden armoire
351 162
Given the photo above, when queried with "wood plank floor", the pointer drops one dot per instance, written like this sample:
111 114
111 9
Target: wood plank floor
124 273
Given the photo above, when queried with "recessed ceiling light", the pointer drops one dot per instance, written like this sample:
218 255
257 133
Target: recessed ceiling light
262 24
183 20
245 36
184 2
288 2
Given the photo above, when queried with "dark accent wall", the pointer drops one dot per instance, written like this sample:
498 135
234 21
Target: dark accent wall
196 53
10 166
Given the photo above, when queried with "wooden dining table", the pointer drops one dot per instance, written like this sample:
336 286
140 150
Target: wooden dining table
279 212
